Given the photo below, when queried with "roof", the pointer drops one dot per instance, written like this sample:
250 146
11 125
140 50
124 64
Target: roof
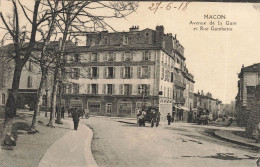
38 45
252 68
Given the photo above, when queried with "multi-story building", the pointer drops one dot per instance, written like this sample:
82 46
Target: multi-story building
30 77
116 73
249 79
207 103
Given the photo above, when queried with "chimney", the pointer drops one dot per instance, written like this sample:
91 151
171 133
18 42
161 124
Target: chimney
159 35
134 28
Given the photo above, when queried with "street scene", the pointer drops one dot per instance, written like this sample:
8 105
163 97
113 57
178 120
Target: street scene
93 83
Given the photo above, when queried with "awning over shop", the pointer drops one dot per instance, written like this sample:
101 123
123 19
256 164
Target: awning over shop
185 108
177 107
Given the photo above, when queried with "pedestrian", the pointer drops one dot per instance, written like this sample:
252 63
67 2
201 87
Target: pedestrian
138 113
76 116
169 118
62 112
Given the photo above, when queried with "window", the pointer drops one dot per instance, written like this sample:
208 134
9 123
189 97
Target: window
109 89
162 75
3 98
162 58
75 73
30 68
125 40
143 72
94 73
94 57
127 89
146 56
69 88
127 72
111 57
29 82
127 56
75 88
144 89
178 61
94 88
77 57
110 72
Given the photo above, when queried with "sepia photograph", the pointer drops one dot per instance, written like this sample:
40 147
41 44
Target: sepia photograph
87 83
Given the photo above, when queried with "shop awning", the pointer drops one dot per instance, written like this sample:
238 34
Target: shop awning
177 107
185 108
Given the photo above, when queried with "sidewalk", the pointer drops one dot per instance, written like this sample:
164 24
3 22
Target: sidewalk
30 148
73 149
56 147
230 136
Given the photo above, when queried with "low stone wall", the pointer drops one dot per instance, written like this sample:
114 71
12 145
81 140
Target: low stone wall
254 117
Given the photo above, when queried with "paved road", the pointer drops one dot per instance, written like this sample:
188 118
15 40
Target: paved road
121 144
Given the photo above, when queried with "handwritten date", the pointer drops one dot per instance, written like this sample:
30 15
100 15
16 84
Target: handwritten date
155 6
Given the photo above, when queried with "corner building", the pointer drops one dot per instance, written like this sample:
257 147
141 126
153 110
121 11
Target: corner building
116 73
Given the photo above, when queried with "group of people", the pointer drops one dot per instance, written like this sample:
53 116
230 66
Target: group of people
141 117
151 115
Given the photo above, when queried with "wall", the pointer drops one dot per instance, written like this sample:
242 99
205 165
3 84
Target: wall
254 115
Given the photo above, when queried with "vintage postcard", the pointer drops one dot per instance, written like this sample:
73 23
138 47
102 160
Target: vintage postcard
129 83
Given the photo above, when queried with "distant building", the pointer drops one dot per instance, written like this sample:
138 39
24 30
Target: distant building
207 103
249 78
229 109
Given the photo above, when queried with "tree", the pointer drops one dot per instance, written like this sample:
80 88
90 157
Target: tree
44 62
78 17
20 52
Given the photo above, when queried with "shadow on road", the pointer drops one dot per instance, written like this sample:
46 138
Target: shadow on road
224 156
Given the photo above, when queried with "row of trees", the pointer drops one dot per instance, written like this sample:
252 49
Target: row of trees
39 22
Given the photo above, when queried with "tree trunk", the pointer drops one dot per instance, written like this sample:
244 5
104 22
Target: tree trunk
53 97
37 106
10 109
59 103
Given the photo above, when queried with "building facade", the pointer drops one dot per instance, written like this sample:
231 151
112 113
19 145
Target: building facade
116 73
249 79
207 103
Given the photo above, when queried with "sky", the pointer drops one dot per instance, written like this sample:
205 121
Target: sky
213 57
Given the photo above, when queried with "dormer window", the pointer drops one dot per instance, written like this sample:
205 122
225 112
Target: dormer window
125 40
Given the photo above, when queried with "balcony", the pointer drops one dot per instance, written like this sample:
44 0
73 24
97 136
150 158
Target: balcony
179 84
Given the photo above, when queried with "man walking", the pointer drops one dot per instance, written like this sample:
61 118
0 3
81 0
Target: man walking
169 118
76 116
